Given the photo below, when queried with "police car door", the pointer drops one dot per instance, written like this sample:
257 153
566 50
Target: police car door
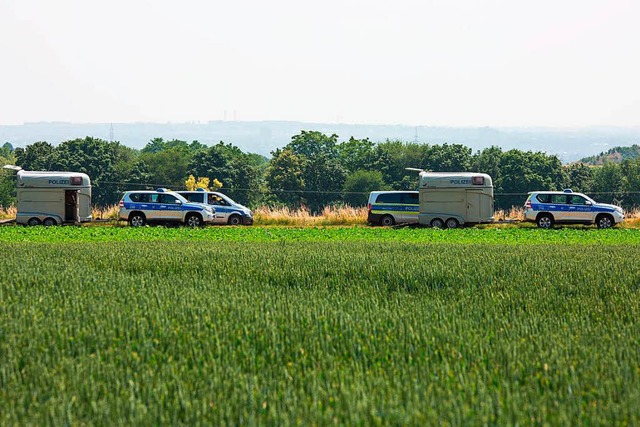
559 208
222 208
578 208
170 207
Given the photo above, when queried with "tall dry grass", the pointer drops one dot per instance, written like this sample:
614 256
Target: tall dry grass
8 213
108 212
330 215
516 213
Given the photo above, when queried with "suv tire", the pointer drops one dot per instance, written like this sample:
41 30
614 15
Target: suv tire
235 220
545 221
193 220
604 221
137 219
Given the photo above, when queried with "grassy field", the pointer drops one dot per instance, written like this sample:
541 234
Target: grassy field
303 326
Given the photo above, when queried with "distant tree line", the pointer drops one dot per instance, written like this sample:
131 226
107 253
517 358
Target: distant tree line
314 169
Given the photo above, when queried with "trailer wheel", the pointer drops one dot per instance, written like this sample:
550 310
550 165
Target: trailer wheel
33 222
137 219
48 222
452 223
437 223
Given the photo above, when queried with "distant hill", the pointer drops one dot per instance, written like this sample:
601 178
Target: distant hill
262 137
616 155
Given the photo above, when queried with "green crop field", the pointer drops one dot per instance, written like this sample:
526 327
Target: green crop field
304 326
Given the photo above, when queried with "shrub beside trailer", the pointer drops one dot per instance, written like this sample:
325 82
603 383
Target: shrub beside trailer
451 199
52 198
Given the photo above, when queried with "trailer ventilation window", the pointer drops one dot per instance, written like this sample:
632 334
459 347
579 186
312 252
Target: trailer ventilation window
75 180
477 180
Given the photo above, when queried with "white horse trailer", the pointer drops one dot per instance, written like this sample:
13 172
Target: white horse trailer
451 199
52 198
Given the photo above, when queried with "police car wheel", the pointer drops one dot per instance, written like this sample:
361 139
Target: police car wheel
235 220
48 222
33 222
137 220
604 221
452 223
437 223
193 221
387 221
545 221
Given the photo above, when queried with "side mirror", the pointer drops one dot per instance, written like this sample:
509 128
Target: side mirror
178 202
588 203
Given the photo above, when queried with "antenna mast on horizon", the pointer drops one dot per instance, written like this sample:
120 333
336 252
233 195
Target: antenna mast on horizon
111 133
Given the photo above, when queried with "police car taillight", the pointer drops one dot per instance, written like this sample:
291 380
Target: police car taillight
121 204
369 207
527 204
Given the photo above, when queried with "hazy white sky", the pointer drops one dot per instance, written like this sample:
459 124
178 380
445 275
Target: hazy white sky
563 63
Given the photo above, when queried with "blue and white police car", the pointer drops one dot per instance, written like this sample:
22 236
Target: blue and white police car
227 211
547 208
162 206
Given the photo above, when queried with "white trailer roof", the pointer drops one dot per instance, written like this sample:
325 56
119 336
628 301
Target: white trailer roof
455 180
48 179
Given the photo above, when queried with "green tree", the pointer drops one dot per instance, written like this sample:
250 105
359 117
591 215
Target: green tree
579 177
236 170
447 158
488 161
96 158
359 184
322 173
357 154
7 180
284 177
39 156
609 184
521 172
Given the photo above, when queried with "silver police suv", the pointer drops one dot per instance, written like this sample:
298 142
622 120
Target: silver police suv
162 206
546 208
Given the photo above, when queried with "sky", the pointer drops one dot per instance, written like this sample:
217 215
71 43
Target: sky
510 63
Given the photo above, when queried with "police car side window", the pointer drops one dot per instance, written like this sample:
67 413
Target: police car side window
135 197
577 200
193 197
168 198
559 199
544 198
389 198
410 198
